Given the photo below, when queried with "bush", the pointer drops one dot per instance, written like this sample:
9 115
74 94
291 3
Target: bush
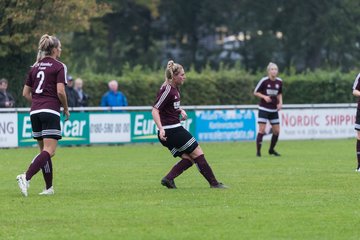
223 87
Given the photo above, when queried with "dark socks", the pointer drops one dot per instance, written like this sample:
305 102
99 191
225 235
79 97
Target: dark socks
205 170
179 168
358 151
48 173
38 163
274 140
259 139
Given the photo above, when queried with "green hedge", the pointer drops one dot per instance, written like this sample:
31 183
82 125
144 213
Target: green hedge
225 86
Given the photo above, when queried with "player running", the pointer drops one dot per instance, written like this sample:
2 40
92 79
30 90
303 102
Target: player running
171 134
45 90
269 90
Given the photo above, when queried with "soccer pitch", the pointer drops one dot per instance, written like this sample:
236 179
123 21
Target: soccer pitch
114 192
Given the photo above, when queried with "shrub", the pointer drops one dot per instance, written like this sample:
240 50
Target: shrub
223 87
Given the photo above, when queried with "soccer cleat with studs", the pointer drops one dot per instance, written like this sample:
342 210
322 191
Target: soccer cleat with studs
49 191
23 184
168 183
275 153
220 186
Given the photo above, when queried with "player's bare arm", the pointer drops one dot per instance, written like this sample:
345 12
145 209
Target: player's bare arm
356 93
280 102
62 97
27 93
260 95
183 115
156 116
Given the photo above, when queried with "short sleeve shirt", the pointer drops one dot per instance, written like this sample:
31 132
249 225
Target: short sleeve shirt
271 88
356 86
168 104
43 79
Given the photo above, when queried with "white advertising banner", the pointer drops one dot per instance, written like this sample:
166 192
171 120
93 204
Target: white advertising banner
8 130
110 128
317 123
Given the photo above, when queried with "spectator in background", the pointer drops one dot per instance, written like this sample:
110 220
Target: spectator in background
6 99
113 97
71 94
83 98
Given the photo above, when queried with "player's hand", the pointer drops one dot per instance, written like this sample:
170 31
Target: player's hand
183 115
66 113
279 106
162 134
267 99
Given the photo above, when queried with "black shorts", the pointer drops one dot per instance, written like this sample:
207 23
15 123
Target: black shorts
357 122
45 125
272 117
179 141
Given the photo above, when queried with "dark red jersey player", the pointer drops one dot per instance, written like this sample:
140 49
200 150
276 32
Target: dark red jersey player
356 93
45 90
43 79
269 90
166 113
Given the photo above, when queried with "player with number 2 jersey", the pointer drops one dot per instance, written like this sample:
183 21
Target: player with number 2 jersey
43 79
45 90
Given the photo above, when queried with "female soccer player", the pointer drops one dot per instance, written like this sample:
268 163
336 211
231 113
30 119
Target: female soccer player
356 93
269 90
171 134
45 90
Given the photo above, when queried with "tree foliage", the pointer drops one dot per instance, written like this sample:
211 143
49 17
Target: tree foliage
102 36
23 22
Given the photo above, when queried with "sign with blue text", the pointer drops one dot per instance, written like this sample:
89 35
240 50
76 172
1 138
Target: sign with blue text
225 125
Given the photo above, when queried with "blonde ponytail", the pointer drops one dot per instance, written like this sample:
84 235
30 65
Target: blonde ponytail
172 69
46 44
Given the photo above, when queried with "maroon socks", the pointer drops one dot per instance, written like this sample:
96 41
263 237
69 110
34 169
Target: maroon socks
358 151
41 161
48 173
179 168
205 170
274 140
259 140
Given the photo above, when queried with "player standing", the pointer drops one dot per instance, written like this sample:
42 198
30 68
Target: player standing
356 93
269 90
45 89
171 134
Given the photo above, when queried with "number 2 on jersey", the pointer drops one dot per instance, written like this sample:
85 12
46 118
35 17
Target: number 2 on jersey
40 75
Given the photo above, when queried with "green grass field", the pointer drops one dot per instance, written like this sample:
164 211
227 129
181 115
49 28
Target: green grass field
114 192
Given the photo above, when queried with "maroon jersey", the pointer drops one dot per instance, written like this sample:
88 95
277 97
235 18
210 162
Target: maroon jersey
43 78
356 86
168 104
269 88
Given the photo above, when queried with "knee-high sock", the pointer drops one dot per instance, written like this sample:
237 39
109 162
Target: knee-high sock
358 151
38 162
274 140
48 173
205 170
179 168
259 139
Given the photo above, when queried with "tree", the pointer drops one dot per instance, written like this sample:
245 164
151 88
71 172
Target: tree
23 22
319 33
123 35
